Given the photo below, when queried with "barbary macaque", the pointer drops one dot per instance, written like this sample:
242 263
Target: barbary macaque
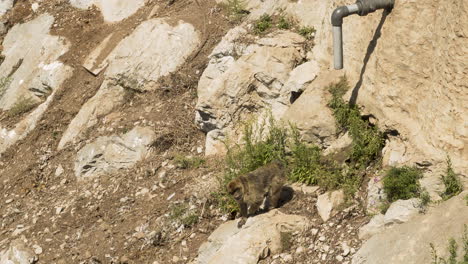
260 187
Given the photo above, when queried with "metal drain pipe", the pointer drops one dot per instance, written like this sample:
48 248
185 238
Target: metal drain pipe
362 8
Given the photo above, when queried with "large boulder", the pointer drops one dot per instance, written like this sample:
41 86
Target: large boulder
112 10
153 50
108 154
31 62
261 235
409 242
232 89
30 73
310 113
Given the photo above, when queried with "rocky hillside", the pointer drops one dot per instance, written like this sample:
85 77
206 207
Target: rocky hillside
122 121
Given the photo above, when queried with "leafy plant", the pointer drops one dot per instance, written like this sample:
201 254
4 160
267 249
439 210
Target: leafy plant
453 185
4 83
284 23
402 183
263 24
23 105
368 141
187 162
307 32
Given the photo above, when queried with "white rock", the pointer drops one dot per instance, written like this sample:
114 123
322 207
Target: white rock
436 226
311 114
108 154
59 171
261 70
327 203
230 244
5 5
17 253
30 46
402 210
37 249
376 225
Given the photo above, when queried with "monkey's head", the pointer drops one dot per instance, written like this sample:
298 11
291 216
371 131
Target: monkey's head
234 188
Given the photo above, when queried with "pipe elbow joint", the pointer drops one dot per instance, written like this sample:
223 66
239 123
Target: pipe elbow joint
338 15
369 6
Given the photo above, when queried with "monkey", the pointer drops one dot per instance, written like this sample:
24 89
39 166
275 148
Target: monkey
260 187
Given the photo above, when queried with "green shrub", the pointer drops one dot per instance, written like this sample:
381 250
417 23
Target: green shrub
4 83
452 183
368 141
308 166
263 24
307 32
187 162
23 105
402 183
284 23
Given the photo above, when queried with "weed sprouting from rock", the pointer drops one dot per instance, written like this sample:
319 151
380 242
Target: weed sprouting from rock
452 183
307 32
263 24
402 183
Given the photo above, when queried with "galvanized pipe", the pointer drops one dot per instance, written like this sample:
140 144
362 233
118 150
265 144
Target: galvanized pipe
361 7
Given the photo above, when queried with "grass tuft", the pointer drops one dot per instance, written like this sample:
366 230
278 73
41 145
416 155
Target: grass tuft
23 105
452 183
263 24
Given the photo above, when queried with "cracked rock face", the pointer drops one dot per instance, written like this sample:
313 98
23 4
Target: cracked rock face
244 80
108 154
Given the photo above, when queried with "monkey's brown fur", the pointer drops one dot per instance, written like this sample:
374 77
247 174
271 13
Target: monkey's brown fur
262 184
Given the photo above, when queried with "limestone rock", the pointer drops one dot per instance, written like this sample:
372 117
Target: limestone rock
23 53
153 50
409 242
375 226
112 10
375 194
261 70
230 244
311 114
17 253
340 148
108 154
30 46
5 5
402 210
327 203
